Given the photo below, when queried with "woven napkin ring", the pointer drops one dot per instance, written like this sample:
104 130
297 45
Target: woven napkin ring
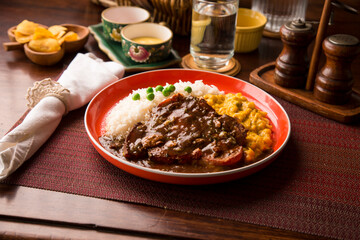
45 88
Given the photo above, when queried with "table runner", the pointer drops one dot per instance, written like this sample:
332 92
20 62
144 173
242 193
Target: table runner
312 187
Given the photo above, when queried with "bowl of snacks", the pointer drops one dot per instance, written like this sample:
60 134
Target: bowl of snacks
73 36
146 42
46 45
44 51
21 34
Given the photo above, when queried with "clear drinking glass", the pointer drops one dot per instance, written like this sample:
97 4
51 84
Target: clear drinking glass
213 32
279 12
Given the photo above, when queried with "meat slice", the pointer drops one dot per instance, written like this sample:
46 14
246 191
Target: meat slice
133 148
182 130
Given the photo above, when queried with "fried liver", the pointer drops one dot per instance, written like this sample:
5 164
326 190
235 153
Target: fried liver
182 130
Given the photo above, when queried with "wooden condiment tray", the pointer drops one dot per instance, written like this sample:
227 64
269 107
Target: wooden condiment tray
263 77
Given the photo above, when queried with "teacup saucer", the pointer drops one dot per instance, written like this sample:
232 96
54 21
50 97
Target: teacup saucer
113 51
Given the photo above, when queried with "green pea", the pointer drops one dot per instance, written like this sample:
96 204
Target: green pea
159 88
171 88
166 92
188 89
149 90
150 96
136 96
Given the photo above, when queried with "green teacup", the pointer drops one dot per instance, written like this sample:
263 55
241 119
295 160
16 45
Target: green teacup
146 42
115 18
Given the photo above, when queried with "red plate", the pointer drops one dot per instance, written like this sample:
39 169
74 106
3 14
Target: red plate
101 104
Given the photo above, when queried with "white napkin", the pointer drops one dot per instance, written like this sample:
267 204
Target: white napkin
84 77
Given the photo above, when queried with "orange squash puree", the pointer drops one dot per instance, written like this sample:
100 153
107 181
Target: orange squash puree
258 139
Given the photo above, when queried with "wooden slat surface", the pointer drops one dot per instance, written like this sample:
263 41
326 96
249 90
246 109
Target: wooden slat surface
37 208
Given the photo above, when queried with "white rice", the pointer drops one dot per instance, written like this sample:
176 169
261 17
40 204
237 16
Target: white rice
128 112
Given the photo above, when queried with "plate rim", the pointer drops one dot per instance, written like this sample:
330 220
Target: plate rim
272 156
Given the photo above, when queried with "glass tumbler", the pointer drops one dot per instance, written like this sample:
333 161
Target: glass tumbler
279 12
213 32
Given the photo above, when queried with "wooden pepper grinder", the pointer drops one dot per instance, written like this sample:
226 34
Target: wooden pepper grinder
334 82
292 64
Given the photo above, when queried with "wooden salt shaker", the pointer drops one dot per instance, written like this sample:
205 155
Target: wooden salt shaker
292 64
334 82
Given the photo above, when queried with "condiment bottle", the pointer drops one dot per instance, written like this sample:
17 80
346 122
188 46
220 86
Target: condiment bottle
292 64
334 82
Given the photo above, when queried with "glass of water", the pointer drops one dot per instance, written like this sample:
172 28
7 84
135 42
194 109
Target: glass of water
213 32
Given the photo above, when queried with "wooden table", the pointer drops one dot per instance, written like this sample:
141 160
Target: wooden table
38 214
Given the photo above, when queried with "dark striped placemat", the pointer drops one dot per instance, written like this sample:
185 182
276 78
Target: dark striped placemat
312 187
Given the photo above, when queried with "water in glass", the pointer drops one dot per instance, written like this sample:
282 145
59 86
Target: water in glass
213 32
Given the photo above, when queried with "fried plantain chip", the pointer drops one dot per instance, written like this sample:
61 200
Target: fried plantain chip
45 45
21 38
26 27
41 32
69 37
57 30
60 34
